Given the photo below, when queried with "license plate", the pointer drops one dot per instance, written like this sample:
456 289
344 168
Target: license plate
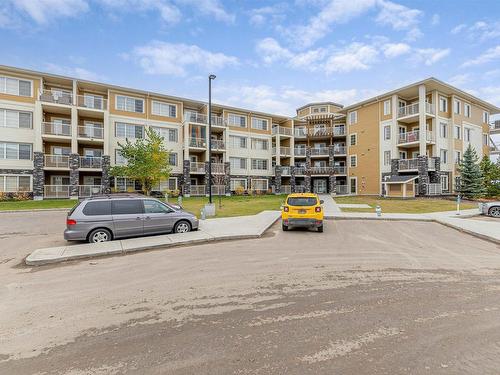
302 211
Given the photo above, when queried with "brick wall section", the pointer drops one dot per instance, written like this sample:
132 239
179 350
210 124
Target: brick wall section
394 167
227 180
186 181
277 179
38 174
423 174
332 182
106 177
292 179
74 174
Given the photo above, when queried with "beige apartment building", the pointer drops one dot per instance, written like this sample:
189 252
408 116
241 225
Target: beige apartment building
59 138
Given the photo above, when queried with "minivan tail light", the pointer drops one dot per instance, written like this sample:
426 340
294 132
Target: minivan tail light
285 208
317 209
70 222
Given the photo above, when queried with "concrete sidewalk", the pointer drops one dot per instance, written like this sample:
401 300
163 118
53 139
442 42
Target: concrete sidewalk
230 228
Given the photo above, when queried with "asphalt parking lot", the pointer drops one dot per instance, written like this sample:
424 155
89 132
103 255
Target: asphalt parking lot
363 297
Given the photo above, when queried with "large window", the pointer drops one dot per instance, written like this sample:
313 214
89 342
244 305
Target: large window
456 106
259 123
13 183
443 104
259 184
443 130
260 164
238 163
353 117
124 130
172 159
129 104
237 183
14 86
164 109
467 110
16 119
237 142
445 185
353 139
387 107
260 144
119 159
458 132
387 132
444 156
15 151
387 158
467 132
237 120
168 134
353 161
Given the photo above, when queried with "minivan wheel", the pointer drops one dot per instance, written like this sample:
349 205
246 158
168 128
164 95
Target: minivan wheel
182 227
494 211
99 235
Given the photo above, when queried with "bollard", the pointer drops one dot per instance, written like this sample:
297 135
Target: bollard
202 211
458 204
179 200
378 210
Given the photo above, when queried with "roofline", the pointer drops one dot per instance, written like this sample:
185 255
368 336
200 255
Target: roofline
320 103
401 182
494 109
143 92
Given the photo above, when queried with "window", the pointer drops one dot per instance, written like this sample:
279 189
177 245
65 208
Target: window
467 132
97 208
387 158
456 106
124 130
238 163
237 142
236 183
13 183
353 161
127 207
444 182
155 207
485 139
387 107
128 104
443 130
260 144
169 135
170 184
387 132
467 110
444 156
164 109
353 184
15 151
259 123
237 120
119 158
259 184
486 117
458 132
124 184
353 139
16 119
14 86
353 117
172 159
443 104
259 164
458 157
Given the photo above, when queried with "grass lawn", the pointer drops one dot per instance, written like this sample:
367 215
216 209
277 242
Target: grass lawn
409 206
231 206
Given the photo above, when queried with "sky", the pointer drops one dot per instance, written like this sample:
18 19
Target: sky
271 56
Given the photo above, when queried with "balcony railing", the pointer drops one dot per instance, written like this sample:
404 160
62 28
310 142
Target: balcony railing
197 167
300 133
56 96
56 191
197 142
299 151
56 161
339 169
339 130
414 109
342 189
89 190
320 151
285 171
434 189
218 168
407 164
300 171
217 144
281 130
413 136
320 132
200 118
56 128
91 131
340 150
218 189
90 162
92 102
197 190
286 189
321 170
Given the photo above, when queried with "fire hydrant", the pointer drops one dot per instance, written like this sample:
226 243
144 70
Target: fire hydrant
378 210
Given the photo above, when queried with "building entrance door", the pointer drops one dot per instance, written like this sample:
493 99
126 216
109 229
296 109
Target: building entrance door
320 186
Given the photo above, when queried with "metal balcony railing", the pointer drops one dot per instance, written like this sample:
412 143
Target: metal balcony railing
300 171
89 190
91 131
56 128
340 150
320 151
320 132
197 142
299 151
285 171
342 189
218 144
286 189
90 162
218 189
197 190
92 102
281 130
413 136
200 118
407 164
197 167
218 168
321 170
300 133
56 191
434 189
56 161
338 169
56 96
414 109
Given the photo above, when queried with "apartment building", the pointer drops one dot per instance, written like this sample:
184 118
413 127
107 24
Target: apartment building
59 138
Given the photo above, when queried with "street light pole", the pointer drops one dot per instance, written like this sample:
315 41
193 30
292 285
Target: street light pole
210 78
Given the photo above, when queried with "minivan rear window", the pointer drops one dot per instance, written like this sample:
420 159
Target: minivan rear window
127 207
302 201
97 208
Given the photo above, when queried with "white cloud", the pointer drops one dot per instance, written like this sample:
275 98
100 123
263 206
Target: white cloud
392 50
212 8
263 15
488 56
310 60
400 18
169 13
76 72
457 29
430 56
271 51
479 31
356 56
460 79
436 19
159 57
40 11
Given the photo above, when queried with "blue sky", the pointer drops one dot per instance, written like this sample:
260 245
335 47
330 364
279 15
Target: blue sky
267 55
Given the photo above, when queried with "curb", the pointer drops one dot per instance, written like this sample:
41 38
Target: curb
469 232
34 210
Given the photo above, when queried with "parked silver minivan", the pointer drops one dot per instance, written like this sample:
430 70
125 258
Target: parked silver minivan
108 217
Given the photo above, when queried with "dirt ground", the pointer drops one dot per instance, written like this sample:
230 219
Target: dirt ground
364 297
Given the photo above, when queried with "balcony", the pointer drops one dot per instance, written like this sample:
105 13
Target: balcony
300 171
56 161
197 167
92 102
320 151
495 127
217 144
283 151
339 169
300 133
339 131
94 162
299 151
320 132
56 97
411 165
434 189
285 171
91 132
410 112
321 170
218 168
200 118
85 191
56 191
339 150
197 190
56 128
198 143
282 131
286 189
410 138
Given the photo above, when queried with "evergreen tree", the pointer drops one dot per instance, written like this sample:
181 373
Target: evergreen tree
491 176
471 177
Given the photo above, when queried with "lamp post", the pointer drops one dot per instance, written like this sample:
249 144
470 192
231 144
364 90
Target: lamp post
211 77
